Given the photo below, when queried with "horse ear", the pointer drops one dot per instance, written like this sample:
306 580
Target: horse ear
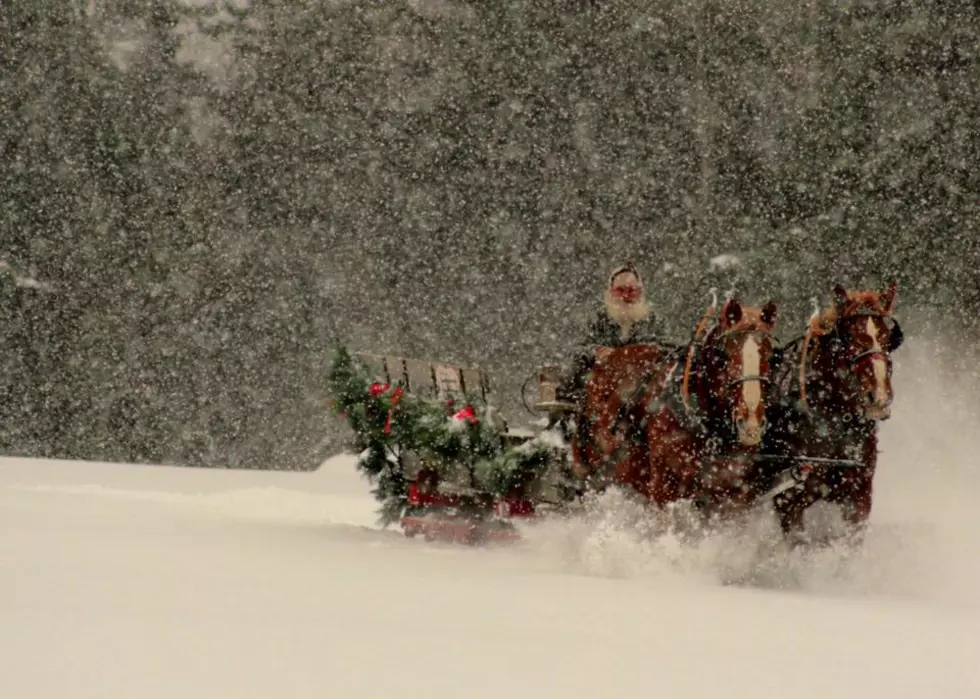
732 312
888 298
840 297
769 312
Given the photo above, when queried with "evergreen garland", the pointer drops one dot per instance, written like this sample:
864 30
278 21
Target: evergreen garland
396 431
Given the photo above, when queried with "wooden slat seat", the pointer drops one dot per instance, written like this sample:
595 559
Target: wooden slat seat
427 378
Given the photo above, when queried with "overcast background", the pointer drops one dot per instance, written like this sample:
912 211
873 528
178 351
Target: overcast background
198 199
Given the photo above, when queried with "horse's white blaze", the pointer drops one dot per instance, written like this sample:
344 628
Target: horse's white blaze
751 385
878 365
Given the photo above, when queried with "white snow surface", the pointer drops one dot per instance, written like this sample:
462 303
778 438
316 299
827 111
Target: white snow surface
125 581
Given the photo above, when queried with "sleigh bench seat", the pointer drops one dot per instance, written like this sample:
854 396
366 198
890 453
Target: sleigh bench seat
428 378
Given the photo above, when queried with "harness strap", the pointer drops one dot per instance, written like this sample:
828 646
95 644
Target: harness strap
699 332
804 355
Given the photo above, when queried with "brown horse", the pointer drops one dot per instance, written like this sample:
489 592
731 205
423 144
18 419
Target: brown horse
606 446
835 390
705 451
674 425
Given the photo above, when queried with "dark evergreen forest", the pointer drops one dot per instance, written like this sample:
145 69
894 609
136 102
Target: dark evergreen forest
198 199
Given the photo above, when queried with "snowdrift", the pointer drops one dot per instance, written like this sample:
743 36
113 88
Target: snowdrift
153 581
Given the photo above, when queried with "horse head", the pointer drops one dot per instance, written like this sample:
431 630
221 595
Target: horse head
738 359
852 341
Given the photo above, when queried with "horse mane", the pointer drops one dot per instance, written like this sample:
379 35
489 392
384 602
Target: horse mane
870 301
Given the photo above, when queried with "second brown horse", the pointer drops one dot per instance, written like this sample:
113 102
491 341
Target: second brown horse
835 389
679 423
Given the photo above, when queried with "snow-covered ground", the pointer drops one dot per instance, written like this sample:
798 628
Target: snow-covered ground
123 581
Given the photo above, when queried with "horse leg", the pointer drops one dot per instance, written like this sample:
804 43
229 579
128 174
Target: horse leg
658 486
864 484
853 491
856 500
673 464
727 489
858 509
855 504
790 507
634 470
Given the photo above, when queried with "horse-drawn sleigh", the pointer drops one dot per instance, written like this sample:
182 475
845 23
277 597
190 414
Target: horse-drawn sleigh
727 422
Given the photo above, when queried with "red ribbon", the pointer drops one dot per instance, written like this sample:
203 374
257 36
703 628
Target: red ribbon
395 398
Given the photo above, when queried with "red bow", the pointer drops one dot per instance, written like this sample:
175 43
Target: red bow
467 414
395 398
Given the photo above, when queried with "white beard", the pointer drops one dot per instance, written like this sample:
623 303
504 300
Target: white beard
626 315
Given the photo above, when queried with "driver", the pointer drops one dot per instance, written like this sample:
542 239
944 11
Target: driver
624 319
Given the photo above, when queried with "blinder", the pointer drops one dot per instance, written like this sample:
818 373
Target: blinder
895 336
776 361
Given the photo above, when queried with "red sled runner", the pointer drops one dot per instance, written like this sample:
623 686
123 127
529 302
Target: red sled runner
459 518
